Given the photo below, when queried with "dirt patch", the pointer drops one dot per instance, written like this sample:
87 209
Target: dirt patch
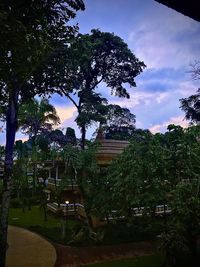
76 256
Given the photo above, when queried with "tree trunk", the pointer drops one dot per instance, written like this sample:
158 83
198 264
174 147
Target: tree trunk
11 125
83 135
87 212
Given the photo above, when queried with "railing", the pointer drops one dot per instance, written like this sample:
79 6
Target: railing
78 209
160 210
70 184
67 209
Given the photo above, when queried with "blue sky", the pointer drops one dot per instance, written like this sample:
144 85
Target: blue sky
167 41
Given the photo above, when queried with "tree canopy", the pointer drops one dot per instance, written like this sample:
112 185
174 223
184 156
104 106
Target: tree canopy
98 57
119 123
160 169
30 32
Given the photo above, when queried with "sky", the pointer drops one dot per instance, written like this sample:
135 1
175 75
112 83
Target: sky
167 41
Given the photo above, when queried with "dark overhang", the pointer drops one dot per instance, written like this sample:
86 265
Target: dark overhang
189 8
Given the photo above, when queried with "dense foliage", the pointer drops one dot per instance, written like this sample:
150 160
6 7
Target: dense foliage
161 169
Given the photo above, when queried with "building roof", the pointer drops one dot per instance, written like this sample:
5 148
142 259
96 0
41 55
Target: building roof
108 148
189 8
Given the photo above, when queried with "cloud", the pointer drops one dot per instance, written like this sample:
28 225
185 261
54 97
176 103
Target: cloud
155 108
187 88
65 113
141 99
174 120
166 40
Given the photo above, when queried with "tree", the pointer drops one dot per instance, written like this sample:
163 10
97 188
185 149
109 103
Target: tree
36 117
183 168
191 107
186 216
2 151
91 110
159 169
87 171
99 57
30 32
56 138
136 178
80 168
70 135
120 123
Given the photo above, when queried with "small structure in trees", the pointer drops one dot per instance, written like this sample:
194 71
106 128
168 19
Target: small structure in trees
108 149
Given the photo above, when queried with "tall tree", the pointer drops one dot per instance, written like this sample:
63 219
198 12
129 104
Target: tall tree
98 57
30 33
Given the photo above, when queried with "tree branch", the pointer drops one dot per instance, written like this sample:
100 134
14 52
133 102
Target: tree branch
98 82
70 98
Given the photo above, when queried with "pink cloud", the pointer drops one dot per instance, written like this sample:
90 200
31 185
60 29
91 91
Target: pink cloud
179 120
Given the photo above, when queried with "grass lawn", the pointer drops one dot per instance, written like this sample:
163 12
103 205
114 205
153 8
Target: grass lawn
113 233
146 261
34 220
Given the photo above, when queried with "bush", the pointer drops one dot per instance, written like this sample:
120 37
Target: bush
140 229
15 203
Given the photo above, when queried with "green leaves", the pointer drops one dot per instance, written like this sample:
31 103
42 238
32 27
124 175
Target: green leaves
191 106
152 170
30 32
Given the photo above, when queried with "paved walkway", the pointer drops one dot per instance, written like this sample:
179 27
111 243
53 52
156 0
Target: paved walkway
27 249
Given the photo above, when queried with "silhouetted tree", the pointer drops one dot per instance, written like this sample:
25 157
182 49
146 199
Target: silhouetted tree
30 32
99 57
120 123
191 107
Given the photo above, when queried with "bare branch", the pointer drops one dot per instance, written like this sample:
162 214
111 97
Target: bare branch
195 70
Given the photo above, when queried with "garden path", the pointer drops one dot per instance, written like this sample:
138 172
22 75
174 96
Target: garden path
27 249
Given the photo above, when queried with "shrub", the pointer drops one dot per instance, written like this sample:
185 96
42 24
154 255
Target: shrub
15 203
